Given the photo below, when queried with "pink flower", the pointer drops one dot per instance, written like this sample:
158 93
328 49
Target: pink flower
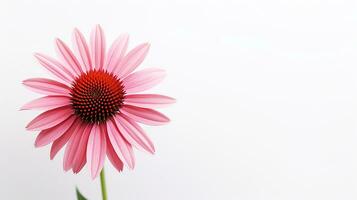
92 106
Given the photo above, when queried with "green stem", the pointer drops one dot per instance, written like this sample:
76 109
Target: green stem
103 185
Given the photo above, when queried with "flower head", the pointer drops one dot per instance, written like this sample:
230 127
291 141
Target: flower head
92 107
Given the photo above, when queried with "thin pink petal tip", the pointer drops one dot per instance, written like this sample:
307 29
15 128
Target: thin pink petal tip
76 29
58 41
36 54
173 100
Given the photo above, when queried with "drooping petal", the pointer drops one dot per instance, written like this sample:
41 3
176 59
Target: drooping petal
55 67
68 57
113 157
47 86
80 157
72 147
49 135
82 50
96 149
143 80
132 60
50 118
98 47
61 141
47 103
83 160
116 52
145 115
122 148
133 133
149 100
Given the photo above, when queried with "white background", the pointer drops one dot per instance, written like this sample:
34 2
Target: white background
266 90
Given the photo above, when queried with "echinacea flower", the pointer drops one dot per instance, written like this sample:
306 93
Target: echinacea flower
92 107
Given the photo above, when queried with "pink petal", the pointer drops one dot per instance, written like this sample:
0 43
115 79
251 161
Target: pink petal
68 57
76 169
47 86
145 115
72 147
50 118
149 100
47 102
96 149
143 80
113 157
133 133
132 60
116 52
98 47
55 67
80 157
82 50
122 148
49 135
61 141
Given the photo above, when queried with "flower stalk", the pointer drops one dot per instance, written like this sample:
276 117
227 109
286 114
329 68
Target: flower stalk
103 186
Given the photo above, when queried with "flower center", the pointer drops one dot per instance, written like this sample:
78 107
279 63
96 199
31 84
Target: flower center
96 96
